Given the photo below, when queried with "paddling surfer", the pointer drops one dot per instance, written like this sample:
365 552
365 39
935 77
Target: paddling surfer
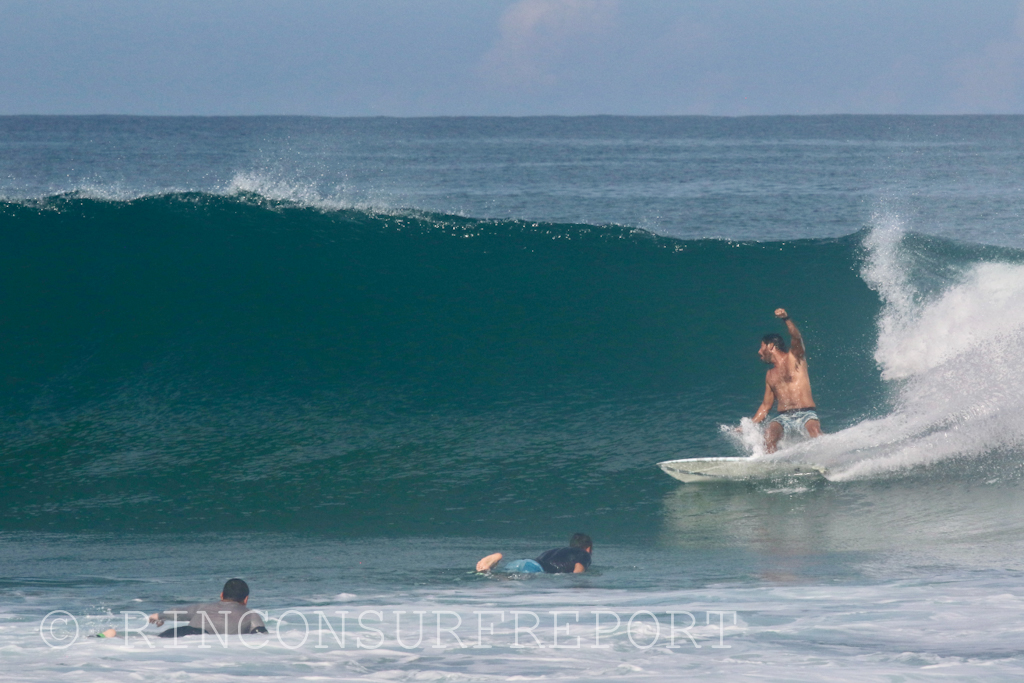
788 383
574 559
229 616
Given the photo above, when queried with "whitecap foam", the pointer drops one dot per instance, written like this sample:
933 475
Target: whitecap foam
263 185
749 437
337 198
953 360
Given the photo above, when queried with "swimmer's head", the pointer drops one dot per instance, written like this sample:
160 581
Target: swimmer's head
235 590
581 540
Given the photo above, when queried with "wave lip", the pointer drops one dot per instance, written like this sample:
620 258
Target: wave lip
262 187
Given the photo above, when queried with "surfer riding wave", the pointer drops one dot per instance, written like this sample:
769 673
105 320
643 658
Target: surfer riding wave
788 383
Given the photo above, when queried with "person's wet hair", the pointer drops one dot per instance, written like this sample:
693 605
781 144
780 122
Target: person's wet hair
236 590
580 540
776 339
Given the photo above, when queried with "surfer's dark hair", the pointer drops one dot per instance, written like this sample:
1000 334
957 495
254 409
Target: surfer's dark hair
235 590
580 540
775 339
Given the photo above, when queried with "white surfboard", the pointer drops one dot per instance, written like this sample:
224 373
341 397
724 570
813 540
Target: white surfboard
696 470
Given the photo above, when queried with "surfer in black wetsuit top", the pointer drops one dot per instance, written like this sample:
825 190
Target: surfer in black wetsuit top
572 560
566 560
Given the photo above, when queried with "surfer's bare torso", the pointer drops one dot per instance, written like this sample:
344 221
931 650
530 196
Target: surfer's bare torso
789 383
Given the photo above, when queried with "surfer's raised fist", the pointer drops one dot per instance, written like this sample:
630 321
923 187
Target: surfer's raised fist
780 313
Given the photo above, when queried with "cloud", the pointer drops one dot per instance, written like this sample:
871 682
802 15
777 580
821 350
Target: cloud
540 40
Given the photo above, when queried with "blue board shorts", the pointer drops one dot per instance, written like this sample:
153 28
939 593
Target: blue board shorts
794 422
523 567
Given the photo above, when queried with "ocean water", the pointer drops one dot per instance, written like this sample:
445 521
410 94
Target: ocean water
346 358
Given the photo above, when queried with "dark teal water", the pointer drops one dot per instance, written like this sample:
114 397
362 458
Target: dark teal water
195 362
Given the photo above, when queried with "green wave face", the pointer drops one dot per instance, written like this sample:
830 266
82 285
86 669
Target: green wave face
193 361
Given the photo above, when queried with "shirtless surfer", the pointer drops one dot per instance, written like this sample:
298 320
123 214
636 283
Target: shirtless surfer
229 616
788 383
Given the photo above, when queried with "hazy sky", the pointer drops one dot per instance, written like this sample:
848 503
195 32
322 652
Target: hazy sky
515 57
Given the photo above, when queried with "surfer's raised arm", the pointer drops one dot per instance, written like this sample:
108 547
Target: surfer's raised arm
796 342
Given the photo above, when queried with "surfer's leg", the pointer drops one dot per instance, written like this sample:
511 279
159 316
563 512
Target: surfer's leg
813 428
487 563
523 567
772 434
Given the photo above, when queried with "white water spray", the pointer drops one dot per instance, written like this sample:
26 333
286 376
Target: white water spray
956 361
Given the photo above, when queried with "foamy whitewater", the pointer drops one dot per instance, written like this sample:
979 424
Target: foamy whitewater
344 359
955 360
